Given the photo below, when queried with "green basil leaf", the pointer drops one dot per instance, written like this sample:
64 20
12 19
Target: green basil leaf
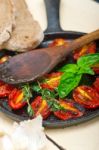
87 70
66 75
67 83
88 60
69 68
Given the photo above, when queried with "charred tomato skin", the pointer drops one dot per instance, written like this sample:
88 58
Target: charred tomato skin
15 99
5 89
52 80
58 42
86 49
40 106
86 96
4 58
96 84
70 110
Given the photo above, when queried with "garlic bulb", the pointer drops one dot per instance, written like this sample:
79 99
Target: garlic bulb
27 135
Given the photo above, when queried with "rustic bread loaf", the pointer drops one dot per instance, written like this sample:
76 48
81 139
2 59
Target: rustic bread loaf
27 33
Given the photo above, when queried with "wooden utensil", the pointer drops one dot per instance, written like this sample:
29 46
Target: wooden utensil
28 66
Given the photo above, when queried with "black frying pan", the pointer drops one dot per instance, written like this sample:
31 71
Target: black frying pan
53 31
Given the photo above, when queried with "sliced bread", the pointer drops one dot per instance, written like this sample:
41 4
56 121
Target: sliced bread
27 33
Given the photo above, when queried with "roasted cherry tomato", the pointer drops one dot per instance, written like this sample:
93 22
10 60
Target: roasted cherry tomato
96 68
52 81
3 59
70 110
96 84
58 42
86 49
86 96
5 89
16 99
40 106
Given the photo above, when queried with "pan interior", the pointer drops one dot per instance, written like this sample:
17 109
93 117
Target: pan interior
52 122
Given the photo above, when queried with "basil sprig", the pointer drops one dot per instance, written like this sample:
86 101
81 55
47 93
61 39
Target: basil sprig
72 73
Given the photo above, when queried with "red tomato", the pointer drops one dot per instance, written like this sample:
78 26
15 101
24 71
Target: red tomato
3 59
86 49
52 81
40 106
71 111
86 96
96 84
5 89
96 68
58 42
16 99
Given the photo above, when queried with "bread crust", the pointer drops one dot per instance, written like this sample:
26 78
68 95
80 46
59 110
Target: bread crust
27 34
7 19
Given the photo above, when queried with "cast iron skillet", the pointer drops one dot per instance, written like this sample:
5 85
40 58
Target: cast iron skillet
53 31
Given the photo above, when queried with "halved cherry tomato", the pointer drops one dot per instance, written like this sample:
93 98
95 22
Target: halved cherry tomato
58 42
52 81
86 49
16 99
3 59
96 68
71 111
86 96
40 106
5 89
96 84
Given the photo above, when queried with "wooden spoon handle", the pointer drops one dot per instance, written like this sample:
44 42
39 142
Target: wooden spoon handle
63 51
85 39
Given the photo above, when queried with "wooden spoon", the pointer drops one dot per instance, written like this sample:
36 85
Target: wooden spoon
28 66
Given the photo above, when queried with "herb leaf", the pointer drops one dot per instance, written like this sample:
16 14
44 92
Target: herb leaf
73 73
88 60
30 111
27 92
47 94
27 95
69 68
67 83
87 70
36 88
50 97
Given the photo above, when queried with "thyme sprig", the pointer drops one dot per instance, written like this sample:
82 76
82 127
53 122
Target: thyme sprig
52 102
49 96
27 96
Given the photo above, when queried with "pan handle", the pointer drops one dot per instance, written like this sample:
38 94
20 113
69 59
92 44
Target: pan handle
52 9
